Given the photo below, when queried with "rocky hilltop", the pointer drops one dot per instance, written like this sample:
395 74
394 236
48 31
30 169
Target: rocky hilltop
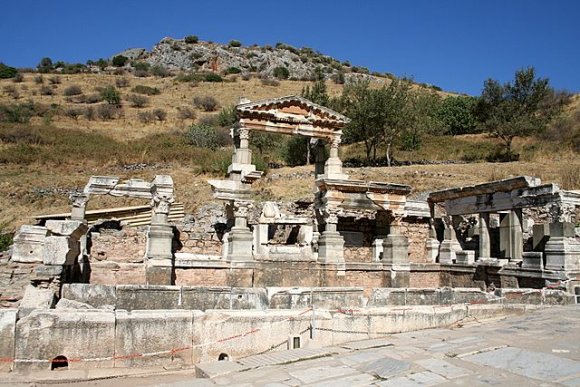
183 54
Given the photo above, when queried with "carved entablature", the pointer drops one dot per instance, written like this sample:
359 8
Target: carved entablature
292 115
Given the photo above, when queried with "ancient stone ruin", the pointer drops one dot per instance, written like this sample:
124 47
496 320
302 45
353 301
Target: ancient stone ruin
246 277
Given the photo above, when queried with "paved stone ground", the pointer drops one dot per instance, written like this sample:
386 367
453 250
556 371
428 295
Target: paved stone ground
538 348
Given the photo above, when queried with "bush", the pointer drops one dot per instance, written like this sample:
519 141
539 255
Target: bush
233 70
5 240
142 89
7 71
185 113
54 80
121 82
160 114
17 113
110 95
46 90
138 101
45 65
74 112
338 78
18 78
202 136
141 73
235 43
269 82
39 79
227 116
246 76
145 117
119 60
89 113
212 77
296 150
281 72
160 71
11 92
140 66
207 103
93 98
72 90
108 111
191 39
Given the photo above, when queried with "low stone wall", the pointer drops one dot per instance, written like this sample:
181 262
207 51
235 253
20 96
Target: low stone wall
173 338
14 278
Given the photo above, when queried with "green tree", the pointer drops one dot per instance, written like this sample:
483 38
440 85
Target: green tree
393 112
119 60
45 65
517 109
456 115
202 136
7 71
281 72
191 39
111 95
423 107
318 93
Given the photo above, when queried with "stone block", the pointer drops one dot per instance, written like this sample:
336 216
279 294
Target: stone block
533 260
158 275
422 297
466 257
395 250
29 244
562 229
469 296
84 335
73 228
7 330
562 254
56 251
36 298
167 333
522 296
540 235
324 298
387 297
331 247
557 297
146 297
98 296
47 272
203 298
65 303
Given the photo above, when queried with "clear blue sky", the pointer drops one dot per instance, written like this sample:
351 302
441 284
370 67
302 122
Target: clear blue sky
453 44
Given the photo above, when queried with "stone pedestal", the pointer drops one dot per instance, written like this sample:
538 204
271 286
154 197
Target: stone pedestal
466 257
449 247
533 260
159 267
331 247
511 242
240 244
432 250
396 250
562 254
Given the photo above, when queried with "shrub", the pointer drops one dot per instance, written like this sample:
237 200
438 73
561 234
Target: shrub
295 151
11 91
108 111
89 113
18 78
185 113
5 240
39 79
72 90
160 114
207 103
110 95
202 136
233 70
45 65
46 90
160 71
54 80
142 89
191 39
93 98
145 117
212 77
7 71
338 78
74 112
281 72
138 101
141 73
121 82
269 82
227 116
246 76
17 113
191 77
235 43
140 66
119 60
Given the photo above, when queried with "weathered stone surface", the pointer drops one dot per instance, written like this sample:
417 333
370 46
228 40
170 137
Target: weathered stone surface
386 367
98 296
168 333
56 250
72 228
201 298
36 298
65 303
7 328
324 298
43 335
135 297
29 244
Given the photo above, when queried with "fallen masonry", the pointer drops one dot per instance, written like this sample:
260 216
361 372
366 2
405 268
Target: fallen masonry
150 286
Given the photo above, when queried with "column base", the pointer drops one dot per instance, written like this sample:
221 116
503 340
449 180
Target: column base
240 241
395 250
159 275
331 247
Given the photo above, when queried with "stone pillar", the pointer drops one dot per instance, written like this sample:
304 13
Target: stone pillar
511 235
562 250
333 166
240 237
79 205
432 244
242 157
396 254
484 239
331 243
319 159
382 222
159 267
449 246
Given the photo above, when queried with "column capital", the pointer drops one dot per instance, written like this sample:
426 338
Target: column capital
79 200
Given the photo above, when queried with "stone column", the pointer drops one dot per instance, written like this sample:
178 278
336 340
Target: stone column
79 205
396 253
333 166
331 243
240 237
511 235
432 244
242 157
382 221
159 267
319 158
484 239
450 245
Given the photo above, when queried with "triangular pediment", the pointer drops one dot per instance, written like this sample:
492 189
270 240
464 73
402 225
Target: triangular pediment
292 109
